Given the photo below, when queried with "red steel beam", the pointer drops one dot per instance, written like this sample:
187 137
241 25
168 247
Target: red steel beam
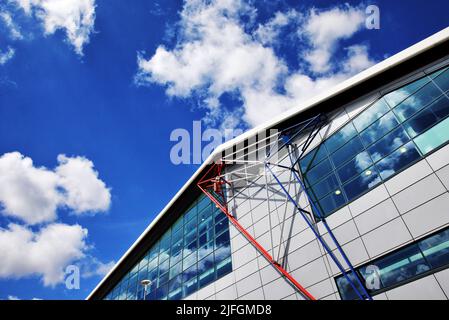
248 236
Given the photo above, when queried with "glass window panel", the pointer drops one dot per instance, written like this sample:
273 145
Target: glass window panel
341 137
177 236
153 263
222 253
368 179
345 288
175 295
176 254
205 250
203 203
163 267
203 239
191 214
143 274
417 101
379 128
399 95
206 263
164 246
190 260
224 267
313 158
420 122
441 107
387 144
221 227
436 73
205 225
189 287
322 188
355 166
161 292
206 278
190 237
442 80
191 225
189 273
434 137
178 225
205 214
399 266
175 270
220 216
348 151
222 240
367 117
319 172
436 249
169 260
163 279
330 203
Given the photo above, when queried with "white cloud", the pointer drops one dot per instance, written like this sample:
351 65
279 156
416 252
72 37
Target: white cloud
7 55
91 266
45 253
268 33
13 28
13 297
216 53
75 17
84 191
33 194
219 52
324 29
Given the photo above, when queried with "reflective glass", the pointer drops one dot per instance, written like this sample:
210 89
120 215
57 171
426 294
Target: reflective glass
408 263
420 122
399 95
379 128
367 117
355 166
400 266
434 137
442 80
347 152
397 160
325 186
441 107
174 260
313 158
330 203
387 144
345 288
320 171
340 137
417 101
368 179
436 249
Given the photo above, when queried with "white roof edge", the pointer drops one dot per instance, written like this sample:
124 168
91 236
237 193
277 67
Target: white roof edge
382 66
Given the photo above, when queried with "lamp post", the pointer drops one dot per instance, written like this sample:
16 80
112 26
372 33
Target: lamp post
145 283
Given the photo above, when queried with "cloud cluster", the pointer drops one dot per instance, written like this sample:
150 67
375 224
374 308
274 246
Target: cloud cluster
45 253
6 55
220 51
76 18
32 196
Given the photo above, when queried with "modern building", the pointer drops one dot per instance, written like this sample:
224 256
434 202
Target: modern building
345 197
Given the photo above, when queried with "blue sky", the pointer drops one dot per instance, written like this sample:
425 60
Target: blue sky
108 92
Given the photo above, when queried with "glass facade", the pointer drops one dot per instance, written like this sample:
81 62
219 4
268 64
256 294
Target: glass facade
194 252
406 264
395 131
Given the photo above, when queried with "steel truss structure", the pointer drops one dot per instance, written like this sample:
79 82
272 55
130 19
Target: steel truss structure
273 159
